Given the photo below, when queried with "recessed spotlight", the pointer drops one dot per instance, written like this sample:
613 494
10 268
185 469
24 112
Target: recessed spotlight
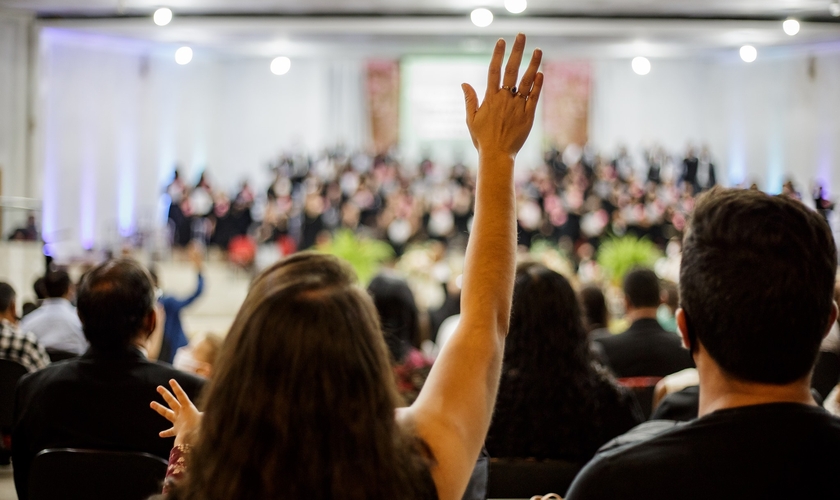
481 17
641 65
516 6
791 27
162 16
183 55
281 65
834 8
748 53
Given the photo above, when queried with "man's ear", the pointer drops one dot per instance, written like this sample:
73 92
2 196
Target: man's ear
150 323
682 327
832 316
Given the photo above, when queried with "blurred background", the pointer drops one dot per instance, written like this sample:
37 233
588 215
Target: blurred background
250 129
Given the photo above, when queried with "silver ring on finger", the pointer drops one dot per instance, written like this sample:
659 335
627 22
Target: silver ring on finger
520 94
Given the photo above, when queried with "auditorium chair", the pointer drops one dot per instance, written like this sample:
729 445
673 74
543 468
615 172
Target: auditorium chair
75 474
10 373
522 478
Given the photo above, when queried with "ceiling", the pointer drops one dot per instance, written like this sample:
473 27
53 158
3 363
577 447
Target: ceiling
340 28
703 8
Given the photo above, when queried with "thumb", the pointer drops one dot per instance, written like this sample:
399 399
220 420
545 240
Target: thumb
471 100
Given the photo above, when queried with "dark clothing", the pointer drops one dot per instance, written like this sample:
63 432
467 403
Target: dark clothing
680 406
98 401
645 350
781 450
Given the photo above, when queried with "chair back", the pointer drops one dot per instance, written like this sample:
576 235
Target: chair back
74 474
522 478
643 388
10 373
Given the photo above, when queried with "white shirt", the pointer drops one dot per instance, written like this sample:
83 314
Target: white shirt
57 326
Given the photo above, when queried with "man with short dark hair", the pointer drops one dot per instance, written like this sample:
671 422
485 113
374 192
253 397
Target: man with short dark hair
645 349
16 345
55 322
756 285
100 400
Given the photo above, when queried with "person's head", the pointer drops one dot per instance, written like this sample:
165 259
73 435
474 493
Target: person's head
116 305
670 295
641 289
398 313
40 289
303 396
8 302
545 320
594 307
756 284
200 355
57 284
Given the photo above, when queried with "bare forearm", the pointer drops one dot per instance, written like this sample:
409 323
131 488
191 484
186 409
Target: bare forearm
491 252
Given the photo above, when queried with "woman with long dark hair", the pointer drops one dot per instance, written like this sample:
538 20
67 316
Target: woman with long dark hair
554 402
303 403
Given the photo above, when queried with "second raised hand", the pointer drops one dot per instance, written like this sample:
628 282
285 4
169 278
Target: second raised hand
502 122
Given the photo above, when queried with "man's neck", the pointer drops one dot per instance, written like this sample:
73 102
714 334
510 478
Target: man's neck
641 313
720 391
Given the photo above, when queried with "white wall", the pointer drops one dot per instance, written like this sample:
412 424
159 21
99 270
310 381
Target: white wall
764 121
116 116
14 95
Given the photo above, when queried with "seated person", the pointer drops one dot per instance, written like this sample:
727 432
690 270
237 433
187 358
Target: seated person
401 326
16 345
303 403
200 355
553 403
595 314
645 349
756 285
100 400
55 322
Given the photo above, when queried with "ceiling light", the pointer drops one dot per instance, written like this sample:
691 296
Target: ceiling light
281 65
834 8
641 65
481 17
748 53
162 16
791 27
183 55
516 6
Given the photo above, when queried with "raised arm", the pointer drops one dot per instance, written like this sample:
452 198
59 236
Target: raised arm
452 413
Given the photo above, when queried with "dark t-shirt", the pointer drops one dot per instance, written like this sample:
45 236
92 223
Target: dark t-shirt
781 450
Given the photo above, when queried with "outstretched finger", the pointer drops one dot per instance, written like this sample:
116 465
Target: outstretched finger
471 102
494 74
168 433
534 97
163 411
531 73
170 399
180 394
515 60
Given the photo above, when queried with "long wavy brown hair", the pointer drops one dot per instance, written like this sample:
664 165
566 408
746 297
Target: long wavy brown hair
302 404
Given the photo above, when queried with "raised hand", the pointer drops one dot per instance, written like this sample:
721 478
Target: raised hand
183 414
503 121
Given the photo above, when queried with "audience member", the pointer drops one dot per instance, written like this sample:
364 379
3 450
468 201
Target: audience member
666 314
554 402
16 345
199 356
55 322
174 337
311 413
400 322
100 400
645 349
756 288
595 313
